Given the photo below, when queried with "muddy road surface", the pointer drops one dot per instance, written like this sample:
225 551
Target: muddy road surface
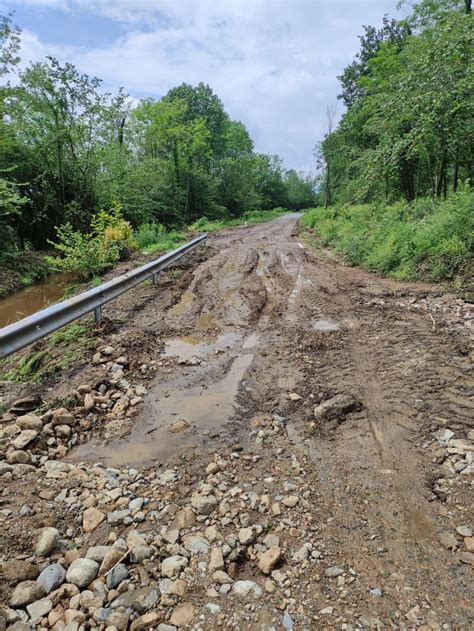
315 423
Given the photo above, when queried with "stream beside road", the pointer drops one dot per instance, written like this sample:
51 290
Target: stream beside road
31 299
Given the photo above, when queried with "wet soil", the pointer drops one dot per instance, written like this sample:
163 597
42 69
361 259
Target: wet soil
264 316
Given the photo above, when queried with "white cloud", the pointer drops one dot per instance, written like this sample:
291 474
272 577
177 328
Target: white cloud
273 62
50 4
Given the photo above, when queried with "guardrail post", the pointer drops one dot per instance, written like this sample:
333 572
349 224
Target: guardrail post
155 278
98 314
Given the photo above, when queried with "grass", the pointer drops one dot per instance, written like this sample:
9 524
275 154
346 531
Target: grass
59 350
250 218
166 242
95 281
427 239
27 368
154 237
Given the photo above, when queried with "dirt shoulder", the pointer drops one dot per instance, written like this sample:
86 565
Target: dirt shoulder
285 442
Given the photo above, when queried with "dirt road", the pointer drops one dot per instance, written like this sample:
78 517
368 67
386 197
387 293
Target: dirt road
311 378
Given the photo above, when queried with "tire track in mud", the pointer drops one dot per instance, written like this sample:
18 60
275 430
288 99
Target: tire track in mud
284 318
391 362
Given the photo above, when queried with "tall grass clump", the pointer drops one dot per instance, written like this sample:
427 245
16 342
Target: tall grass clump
426 239
149 233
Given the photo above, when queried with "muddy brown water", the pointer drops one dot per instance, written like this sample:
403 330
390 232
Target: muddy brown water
31 299
202 406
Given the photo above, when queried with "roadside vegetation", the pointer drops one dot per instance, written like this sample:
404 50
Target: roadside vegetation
397 169
426 239
110 239
58 351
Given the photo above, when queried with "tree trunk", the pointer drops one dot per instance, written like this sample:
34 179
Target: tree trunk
441 176
406 174
328 183
455 176
120 130
468 4
186 205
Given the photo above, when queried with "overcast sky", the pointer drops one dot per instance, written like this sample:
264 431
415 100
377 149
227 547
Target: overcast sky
274 63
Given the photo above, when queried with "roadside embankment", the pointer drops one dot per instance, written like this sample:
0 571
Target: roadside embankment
427 239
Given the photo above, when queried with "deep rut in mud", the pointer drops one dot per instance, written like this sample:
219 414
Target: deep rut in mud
263 316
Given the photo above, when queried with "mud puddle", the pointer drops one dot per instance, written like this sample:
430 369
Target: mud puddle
326 325
189 346
177 416
184 305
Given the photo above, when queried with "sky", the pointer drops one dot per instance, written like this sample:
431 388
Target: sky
273 63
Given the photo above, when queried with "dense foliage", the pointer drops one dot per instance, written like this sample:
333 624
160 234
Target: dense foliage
108 240
429 238
67 149
408 128
396 172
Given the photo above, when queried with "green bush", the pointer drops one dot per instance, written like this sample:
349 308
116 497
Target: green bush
88 254
429 239
149 233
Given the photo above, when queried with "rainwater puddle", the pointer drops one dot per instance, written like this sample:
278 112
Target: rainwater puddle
189 346
184 304
206 321
325 325
204 408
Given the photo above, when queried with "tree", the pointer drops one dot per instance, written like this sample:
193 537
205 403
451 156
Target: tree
63 121
407 133
391 31
202 103
9 45
300 190
324 153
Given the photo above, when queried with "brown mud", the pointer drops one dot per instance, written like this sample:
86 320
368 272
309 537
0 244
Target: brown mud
264 316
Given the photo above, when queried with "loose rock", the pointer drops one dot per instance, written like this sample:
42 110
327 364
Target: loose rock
81 572
47 542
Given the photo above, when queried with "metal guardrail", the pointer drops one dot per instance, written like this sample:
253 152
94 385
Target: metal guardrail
32 328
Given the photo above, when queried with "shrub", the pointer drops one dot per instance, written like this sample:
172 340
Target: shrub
149 233
88 254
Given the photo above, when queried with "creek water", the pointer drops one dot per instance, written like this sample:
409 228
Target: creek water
31 299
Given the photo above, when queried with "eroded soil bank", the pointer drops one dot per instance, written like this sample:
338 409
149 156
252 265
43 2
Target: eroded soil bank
287 441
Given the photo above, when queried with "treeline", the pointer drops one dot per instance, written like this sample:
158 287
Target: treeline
396 172
68 149
408 128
